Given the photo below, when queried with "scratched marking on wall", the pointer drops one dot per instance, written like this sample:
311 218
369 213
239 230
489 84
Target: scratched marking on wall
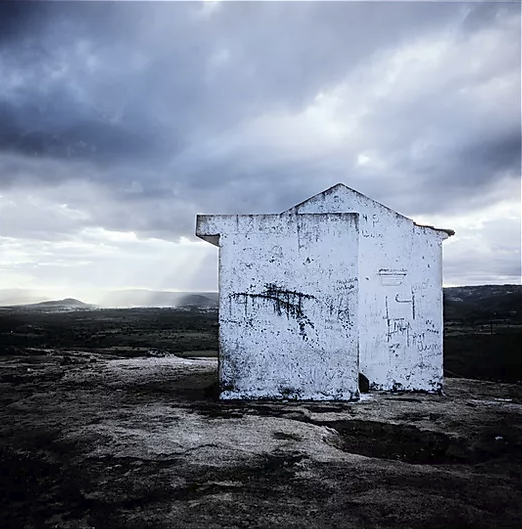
284 302
412 301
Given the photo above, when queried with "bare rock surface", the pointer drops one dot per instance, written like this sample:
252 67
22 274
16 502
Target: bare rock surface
144 442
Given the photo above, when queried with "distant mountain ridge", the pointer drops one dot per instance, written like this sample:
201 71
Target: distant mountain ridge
475 302
158 298
483 302
117 299
62 304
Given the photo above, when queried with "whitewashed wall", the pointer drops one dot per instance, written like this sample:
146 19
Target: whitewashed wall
288 304
400 292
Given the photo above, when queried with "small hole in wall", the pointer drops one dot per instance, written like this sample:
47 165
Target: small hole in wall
364 384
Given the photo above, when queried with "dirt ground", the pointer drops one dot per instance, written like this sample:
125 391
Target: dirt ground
89 441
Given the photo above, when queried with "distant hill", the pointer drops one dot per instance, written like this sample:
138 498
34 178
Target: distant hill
58 305
158 298
117 298
197 300
483 302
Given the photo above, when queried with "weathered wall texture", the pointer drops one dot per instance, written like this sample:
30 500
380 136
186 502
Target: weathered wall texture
333 286
400 292
288 305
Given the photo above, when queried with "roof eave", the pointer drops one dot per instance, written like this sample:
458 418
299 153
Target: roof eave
447 231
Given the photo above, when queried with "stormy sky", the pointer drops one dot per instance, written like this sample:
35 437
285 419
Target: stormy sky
119 121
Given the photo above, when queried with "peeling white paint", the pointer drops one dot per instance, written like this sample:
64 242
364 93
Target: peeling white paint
336 285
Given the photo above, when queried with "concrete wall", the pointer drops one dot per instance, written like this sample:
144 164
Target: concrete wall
288 304
335 285
400 292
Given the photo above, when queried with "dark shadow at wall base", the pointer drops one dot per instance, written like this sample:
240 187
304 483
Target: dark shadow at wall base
364 384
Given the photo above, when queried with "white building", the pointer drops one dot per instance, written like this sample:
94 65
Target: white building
335 286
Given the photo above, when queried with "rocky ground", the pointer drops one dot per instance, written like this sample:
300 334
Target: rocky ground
92 442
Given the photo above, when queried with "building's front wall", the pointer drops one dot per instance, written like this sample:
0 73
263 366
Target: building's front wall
400 293
288 305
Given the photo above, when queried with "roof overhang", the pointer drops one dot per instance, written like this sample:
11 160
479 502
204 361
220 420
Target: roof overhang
447 231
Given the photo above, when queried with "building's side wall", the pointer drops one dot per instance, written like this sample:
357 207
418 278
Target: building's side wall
400 288
288 307
425 336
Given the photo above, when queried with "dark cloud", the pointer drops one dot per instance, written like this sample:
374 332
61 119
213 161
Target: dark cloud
54 128
139 115
445 179
18 18
102 79
484 14
494 155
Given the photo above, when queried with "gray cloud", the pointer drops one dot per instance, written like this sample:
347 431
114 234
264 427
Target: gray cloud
99 79
139 115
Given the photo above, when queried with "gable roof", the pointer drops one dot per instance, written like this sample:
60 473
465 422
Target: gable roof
343 189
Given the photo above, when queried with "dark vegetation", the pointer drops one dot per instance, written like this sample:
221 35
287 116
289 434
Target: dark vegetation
483 330
485 303
121 332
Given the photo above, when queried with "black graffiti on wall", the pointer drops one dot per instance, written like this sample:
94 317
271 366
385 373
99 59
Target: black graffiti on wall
284 302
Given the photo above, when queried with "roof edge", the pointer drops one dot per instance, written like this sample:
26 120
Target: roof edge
331 189
342 185
448 231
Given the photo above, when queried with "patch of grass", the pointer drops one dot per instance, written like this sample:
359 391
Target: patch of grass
496 357
122 332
